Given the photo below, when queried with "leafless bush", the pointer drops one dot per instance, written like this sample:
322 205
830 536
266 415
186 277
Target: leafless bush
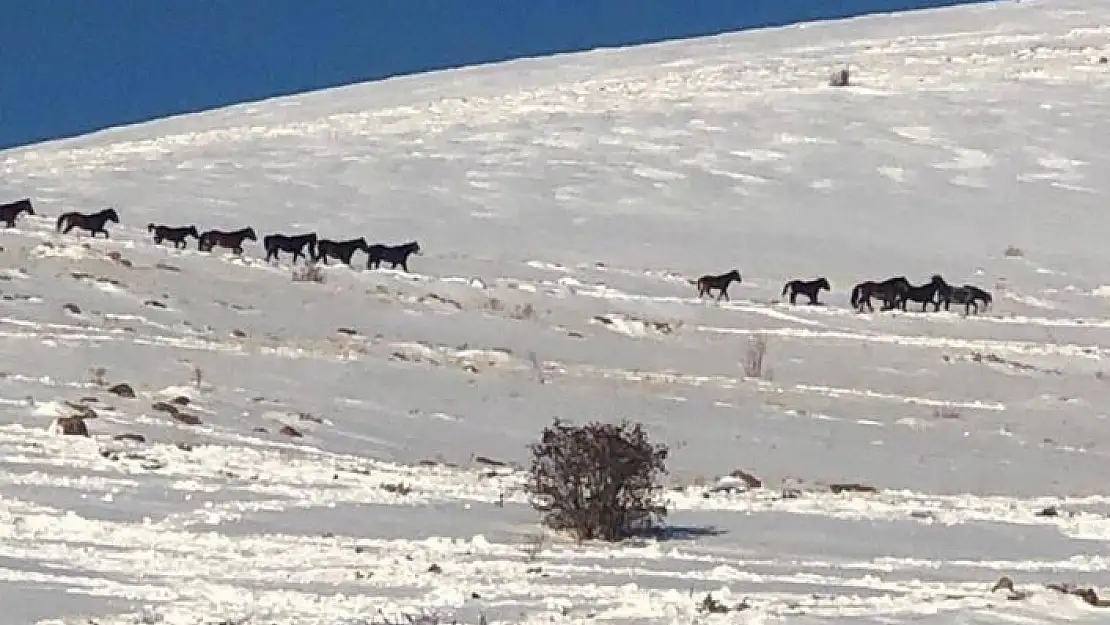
423 617
839 78
309 273
755 355
96 375
1013 252
598 481
535 545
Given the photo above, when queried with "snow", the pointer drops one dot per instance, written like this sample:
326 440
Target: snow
563 204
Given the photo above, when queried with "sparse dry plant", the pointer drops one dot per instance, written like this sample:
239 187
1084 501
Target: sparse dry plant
535 545
96 376
424 617
1013 252
840 78
755 355
198 376
309 273
599 480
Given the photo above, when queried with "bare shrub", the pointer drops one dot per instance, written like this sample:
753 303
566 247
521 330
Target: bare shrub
1013 252
96 376
755 356
534 546
599 481
840 78
309 273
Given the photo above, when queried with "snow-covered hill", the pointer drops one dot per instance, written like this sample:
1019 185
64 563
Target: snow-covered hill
346 428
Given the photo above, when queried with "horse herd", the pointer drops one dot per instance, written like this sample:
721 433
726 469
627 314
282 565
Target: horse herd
317 249
894 292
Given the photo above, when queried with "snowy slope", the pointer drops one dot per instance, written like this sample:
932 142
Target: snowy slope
563 204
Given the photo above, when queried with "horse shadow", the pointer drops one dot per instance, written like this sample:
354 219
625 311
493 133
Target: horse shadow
668 532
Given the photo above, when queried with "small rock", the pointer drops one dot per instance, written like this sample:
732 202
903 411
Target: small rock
153 303
751 480
289 430
239 334
186 418
435 568
135 438
305 416
71 426
72 308
1049 511
259 430
162 406
852 488
123 389
180 400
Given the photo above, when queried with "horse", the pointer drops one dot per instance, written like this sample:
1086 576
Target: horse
92 223
340 250
11 210
969 295
231 240
810 289
887 290
392 254
295 245
925 294
707 283
176 234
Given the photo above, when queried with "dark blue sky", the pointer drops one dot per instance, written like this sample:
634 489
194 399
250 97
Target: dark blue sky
72 66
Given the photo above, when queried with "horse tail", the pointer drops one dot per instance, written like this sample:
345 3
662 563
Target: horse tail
855 297
785 288
62 219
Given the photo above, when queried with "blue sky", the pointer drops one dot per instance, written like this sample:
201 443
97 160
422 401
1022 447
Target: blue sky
72 66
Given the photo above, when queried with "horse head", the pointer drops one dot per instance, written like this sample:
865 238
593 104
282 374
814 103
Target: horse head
193 231
735 275
249 234
823 283
111 215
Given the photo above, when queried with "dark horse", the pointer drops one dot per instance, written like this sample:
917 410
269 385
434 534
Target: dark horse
810 289
340 250
11 210
392 254
295 245
93 223
177 235
231 240
707 283
969 295
924 294
888 290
